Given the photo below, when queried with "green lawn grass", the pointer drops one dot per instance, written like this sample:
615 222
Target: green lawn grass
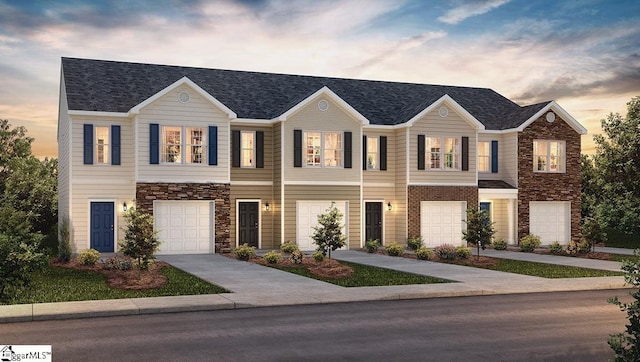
369 276
547 270
63 285
617 239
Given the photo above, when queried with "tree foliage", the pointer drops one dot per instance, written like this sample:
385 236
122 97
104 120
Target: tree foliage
140 240
626 345
479 229
328 236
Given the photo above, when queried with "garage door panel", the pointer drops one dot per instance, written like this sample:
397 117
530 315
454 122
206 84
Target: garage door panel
442 222
550 220
307 218
184 226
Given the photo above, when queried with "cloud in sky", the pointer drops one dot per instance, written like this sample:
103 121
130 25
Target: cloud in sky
586 57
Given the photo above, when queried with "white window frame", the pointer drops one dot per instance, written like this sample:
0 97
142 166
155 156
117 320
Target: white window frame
186 145
484 159
319 153
252 149
441 155
373 154
102 149
546 157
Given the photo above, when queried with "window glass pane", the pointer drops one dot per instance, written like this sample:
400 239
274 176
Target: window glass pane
247 150
196 144
312 144
102 144
171 145
332 149
484 156
433 152
451 153
372 153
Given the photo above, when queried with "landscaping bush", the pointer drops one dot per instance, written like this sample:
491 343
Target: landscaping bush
89 257
571 248
64 242
318 256
296 257
20 259
529 243
463 252
424 253
118 263
394 249
273 257
626 345
499 244
372 245
555 248
445 252
140 239
245 252
288 247
584 247
414 243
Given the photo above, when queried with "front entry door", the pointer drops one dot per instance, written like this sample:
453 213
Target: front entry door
248 223
102 226
373 221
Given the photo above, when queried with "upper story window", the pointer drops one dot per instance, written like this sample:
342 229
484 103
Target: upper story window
102 145
443 153
548 156
372 153
247 149
182 144
323 149
484 156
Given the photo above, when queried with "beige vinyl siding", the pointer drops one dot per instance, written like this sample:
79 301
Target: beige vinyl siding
64 162
85 173
99 190
277 183
246 174
264 194
380 176
509 160
198 112
500 218
400 202
324 193
334 119
432 125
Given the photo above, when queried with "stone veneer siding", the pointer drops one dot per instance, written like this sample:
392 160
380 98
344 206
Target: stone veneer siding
416 194
146 193
539 186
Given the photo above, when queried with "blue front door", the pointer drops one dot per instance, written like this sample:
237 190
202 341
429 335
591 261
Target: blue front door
102 226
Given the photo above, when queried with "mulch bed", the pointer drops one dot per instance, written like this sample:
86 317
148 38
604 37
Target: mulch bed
481 262
326 269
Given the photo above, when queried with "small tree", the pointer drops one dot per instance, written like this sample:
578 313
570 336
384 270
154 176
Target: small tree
593 232
626 345
479 229
140 240
328 235
64 241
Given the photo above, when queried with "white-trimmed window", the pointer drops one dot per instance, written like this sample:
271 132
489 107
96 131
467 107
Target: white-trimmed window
322 149
548 156
102 145
443 153
182 144
372 153
247 149
484 156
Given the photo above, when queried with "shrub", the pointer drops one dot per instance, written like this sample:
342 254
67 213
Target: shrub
19 260
64 241
318 256
273 257
414 243
584 247
393 249
463 252
288 247
555 248
89 257
626 345
140 239
499 244
445 252
372 245
424 253
245 252
118 263
529 243
571 248
296 257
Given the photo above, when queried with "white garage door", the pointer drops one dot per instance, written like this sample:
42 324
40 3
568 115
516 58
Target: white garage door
441 222
185 227
550 220
307 217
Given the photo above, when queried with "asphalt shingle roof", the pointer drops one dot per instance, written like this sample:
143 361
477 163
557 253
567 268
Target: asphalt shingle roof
108 86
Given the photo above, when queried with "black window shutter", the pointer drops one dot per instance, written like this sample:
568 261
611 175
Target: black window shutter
297 148
494 156
421 152
259 149
383 153
465 153
364 153
154 143
348 153
115 145
213 146
88 144
235 148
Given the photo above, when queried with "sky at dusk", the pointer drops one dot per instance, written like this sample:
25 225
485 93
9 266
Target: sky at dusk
585 54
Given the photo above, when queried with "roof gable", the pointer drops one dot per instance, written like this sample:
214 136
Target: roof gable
326 92
447 100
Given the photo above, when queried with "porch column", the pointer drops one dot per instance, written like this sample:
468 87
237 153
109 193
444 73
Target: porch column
511 218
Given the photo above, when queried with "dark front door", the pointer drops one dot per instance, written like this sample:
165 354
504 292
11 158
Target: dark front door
248 226
102 226
486 206
373 221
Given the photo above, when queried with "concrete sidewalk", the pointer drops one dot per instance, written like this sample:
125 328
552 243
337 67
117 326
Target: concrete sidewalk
254 285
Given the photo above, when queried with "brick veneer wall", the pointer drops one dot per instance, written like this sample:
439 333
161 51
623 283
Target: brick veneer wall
416 194
146 193
537 186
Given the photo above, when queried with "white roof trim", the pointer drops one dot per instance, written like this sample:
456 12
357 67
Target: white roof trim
184 81
324 91
453 104
572 122
98 114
